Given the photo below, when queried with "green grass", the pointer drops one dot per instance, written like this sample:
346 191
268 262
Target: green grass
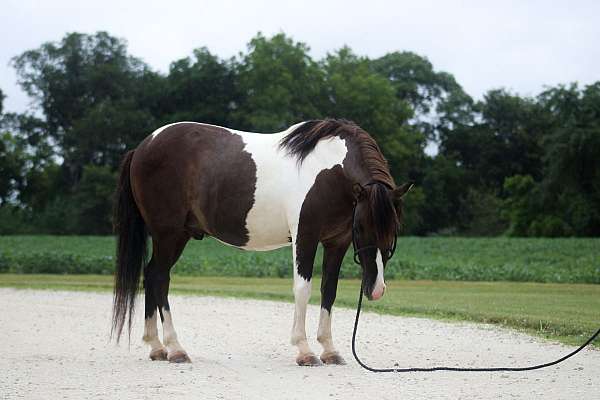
567 260
565 312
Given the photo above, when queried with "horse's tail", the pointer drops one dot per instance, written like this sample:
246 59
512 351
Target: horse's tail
131 250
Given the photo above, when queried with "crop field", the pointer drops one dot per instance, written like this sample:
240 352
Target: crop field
437 258
467 259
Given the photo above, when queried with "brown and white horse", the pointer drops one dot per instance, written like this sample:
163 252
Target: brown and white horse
306 185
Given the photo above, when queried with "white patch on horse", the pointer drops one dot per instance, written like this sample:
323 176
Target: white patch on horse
162 128
282 185
324 332
151 333
302 291
169 334
379 286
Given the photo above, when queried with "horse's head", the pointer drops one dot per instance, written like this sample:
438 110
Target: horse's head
376 221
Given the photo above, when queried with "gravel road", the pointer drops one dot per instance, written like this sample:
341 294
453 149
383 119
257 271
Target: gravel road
55 345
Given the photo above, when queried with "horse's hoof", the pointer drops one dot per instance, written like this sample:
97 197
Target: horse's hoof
308 360
179 357
158 355
332 358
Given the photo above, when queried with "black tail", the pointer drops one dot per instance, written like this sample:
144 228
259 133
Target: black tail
131 250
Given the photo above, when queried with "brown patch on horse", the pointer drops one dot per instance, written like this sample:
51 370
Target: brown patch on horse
196 179
323 216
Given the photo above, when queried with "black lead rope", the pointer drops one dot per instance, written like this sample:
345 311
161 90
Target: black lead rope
456 369
390 252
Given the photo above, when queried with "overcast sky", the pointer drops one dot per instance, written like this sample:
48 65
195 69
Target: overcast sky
519 45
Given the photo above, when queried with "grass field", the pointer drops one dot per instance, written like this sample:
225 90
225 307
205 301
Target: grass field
565 312
467 259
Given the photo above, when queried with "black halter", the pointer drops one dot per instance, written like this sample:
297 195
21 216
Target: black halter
389 252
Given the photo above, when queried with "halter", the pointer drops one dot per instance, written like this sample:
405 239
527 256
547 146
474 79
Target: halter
388 252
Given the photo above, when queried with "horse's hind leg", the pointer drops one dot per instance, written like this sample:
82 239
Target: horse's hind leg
157 350
165 252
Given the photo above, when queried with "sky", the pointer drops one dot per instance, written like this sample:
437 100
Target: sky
522 46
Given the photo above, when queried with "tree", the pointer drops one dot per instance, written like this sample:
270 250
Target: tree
202 88
94 200
279 84
506 140
12 164
571 183
444 186
355 92
436 99
91 93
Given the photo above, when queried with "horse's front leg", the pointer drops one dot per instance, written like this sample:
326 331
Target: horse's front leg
304 247
332 261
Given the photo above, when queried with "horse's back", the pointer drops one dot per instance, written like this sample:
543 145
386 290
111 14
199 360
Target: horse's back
204 178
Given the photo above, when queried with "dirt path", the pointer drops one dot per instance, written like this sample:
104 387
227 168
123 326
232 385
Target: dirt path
55 345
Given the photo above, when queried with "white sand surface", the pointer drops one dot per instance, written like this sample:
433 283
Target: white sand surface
54 345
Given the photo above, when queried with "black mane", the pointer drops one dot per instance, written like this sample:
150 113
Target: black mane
302 140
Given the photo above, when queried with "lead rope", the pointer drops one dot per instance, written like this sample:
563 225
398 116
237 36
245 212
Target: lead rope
456 369
433 369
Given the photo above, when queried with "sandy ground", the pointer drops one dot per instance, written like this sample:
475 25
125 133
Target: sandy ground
55 345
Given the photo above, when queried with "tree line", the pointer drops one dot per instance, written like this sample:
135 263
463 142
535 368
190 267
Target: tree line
508 164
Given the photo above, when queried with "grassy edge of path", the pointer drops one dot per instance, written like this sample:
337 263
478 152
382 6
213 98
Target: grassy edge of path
561 312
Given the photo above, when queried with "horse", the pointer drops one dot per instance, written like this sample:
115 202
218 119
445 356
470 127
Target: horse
319 181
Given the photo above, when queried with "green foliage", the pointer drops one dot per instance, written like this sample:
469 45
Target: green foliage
502 259
279 84
508 164
12 164
520 206
202 88
571 183
94 199
480 215
436 99
90 91
443 186
14 220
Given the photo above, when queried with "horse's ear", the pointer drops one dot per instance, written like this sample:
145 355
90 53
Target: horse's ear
400 191
358 191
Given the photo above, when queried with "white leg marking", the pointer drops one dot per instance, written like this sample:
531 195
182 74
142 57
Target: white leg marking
151 333
302 289
169 334
324 332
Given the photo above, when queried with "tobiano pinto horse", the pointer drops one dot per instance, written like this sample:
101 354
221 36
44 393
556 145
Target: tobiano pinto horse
320 181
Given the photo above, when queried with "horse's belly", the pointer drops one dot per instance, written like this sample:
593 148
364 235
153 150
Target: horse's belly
267 227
